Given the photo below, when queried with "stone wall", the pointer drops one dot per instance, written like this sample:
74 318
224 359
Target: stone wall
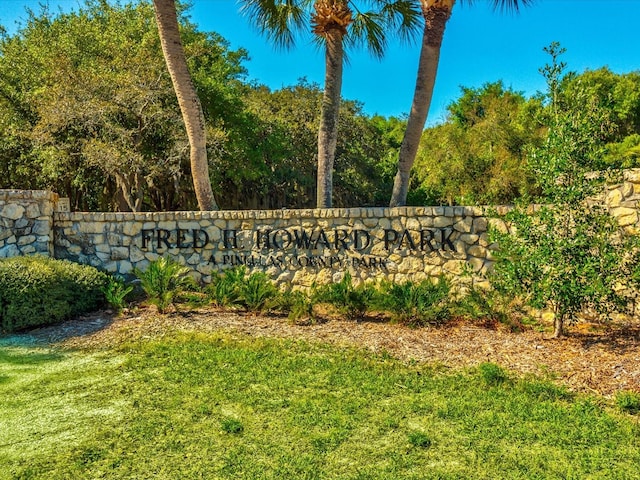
26 222
296 247
623 200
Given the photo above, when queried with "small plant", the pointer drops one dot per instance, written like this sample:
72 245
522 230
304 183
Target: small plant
419 439
349 300
256 292
480 304
492 374
296 304
163 280
115 293
417 303
231 425
628 402
224 290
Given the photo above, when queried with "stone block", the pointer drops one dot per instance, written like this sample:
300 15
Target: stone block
131 229
464 225
477 251
125 267
26 240
119 253
480 224
614 198
12 211
9 251
33 210
442 221
28 249
41 227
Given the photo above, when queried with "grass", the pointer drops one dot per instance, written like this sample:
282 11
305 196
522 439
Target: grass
216 406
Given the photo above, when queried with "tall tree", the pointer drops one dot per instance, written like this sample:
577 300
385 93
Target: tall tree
436 15
334 23
167 20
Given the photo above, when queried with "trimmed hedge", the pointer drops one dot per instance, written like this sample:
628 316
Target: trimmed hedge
37 291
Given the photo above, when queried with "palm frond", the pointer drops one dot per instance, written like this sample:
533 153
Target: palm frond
505 5
386 18
368 29
279 20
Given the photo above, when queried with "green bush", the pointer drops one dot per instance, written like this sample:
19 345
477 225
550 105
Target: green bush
257 293
426 302
115 293
349 300
37 291
163 280
224 289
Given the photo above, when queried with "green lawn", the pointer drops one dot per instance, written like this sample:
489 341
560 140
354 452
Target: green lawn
214 406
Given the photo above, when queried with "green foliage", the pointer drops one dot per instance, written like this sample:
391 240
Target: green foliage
348 299
231 425
90 110
38 291
257 293
298 305
222 405
568 253
478 156
419 439
224 289
115 292
425 302
492 374
628 402
480 304
254 291
163 280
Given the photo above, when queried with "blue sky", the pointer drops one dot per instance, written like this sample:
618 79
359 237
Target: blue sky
480 45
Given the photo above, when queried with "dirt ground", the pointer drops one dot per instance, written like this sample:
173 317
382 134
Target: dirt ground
592 360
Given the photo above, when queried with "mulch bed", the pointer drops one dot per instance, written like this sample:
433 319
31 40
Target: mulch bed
596 360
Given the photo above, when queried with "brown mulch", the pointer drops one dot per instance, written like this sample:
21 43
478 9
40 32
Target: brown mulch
593 360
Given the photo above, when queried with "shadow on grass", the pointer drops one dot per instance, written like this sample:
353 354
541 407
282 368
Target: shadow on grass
51 334
28 358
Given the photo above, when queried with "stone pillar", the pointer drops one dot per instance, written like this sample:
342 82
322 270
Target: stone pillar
26 222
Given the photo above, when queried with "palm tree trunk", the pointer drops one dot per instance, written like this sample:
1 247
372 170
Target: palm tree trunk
436 17
328 132
167 20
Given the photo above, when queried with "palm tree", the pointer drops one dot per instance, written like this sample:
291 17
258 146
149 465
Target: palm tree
334 24
190 106
436 14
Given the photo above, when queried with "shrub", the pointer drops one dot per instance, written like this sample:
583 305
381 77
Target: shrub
115 293
224 289
568 253
416 303
297 305
37 291
349 300
163 280
257 292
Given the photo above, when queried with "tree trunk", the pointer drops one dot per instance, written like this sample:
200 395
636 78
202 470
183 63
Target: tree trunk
436 17
328 132
167 20
558 326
